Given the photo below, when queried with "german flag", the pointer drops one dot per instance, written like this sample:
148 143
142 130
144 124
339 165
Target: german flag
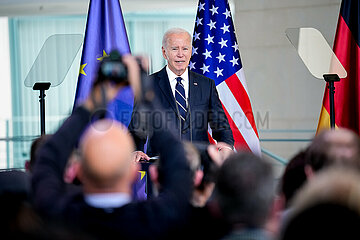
347 91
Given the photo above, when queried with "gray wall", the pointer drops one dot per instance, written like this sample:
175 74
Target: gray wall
280 86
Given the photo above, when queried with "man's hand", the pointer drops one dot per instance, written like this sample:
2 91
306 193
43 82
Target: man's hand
140 156
224 149
219 152
134 76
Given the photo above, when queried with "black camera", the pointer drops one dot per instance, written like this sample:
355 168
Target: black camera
112 69
210 169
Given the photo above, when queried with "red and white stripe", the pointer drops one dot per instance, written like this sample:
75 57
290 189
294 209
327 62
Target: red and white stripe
237 106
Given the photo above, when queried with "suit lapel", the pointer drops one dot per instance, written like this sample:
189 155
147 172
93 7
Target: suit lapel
164 85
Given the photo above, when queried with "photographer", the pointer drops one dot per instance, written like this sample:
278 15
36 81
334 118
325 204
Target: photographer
104 208
205 161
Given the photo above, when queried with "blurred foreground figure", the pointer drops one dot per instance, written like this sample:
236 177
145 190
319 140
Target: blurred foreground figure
103 208
35 145
17 218
339 147
327 207
202 222
244 192
333 147
293 177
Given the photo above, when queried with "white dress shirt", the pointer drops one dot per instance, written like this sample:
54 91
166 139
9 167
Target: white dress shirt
107 200
172 79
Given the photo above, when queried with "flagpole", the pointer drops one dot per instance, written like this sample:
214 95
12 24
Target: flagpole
331 78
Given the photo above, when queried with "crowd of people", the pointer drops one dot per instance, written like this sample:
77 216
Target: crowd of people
79 181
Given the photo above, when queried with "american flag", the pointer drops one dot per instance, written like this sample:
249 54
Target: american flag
215 54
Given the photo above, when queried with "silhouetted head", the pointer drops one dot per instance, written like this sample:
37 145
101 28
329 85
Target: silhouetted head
334 147
327 207
35 146
245 190
293 177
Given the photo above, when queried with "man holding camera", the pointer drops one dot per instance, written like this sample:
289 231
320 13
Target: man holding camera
190 101
103 208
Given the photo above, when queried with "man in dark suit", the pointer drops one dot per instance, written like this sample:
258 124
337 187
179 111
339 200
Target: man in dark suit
103 208
190 100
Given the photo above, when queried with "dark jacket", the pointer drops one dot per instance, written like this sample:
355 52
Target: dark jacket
204 109
151 219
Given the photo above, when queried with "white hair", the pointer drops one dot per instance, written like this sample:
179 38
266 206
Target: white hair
173 31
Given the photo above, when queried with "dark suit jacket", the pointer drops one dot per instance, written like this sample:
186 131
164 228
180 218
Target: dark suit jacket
204 108
151 219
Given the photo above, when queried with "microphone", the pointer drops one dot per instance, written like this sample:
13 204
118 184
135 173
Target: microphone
178 114
189 109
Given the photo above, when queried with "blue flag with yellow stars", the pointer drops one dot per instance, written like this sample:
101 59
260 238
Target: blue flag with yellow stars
105 31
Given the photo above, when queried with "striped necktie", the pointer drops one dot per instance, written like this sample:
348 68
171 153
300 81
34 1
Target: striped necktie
180 99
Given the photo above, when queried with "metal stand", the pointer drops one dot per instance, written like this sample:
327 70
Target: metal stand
331 78
42 86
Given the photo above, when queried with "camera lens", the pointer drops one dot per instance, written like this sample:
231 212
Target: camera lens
113 69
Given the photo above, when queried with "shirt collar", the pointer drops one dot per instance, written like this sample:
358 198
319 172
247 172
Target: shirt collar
107 200
172 76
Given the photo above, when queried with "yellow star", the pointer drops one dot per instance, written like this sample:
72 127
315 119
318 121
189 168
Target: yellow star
82 66
102 57
142 174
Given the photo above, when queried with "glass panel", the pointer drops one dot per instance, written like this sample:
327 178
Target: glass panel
54 60
27 38
315 52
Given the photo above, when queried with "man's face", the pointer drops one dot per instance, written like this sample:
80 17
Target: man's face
177 52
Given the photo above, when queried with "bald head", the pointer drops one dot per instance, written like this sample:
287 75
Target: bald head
106 149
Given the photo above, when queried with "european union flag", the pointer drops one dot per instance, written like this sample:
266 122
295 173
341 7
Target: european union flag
105 31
